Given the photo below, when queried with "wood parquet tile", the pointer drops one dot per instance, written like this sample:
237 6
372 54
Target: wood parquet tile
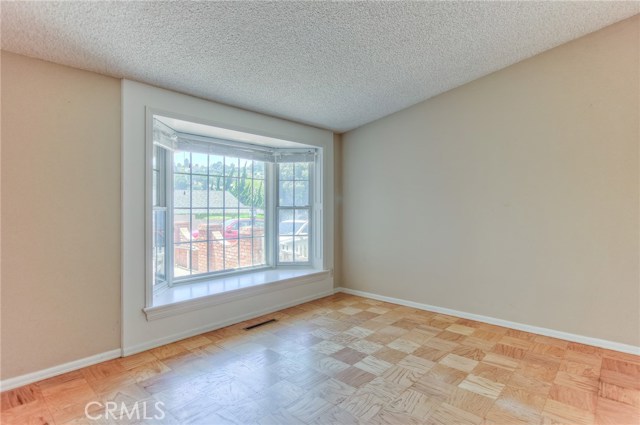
349 360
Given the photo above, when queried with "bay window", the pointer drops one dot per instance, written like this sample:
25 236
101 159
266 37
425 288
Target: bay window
225 206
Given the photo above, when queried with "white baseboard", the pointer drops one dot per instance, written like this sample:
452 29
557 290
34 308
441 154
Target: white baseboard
39 375
127 351
603 343
32 377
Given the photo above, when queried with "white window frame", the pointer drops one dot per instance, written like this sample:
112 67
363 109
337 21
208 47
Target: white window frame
315 257
164 201
309 208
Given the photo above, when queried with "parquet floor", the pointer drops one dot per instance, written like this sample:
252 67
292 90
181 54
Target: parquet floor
347 360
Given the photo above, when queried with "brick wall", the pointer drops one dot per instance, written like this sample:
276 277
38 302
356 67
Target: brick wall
217 254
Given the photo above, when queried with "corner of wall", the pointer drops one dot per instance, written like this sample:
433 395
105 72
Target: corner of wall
337 223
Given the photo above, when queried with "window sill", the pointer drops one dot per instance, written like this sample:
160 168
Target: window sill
189 297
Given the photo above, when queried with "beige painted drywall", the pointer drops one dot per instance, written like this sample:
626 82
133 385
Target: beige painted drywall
60 214
514 196
337 205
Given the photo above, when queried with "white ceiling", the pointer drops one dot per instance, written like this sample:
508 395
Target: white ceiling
336 65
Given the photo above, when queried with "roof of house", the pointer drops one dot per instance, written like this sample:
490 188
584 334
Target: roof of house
201 198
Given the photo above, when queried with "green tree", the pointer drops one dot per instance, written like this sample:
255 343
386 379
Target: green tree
248 191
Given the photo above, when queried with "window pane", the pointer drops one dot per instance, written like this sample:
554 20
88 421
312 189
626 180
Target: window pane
301 194
159 244
230 198
285 236
154 187
216 165
199 182
286 171
159 265
199 163
301 249
159 228
181 225
216 256
181 162
216 183
155 158
285 193
259 257
293 237
258 200
158 176
199 252
245 212
246 225
231 224
199 191
216 219
231 254
216 197
301 171
245 251
246 168
285 220
199 224
242 191
231 166
182 260
301 220
258 226
285 250
258 170
182 190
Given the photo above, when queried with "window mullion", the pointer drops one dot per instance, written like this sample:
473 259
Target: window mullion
169 217
224 212
271 213
253 216
208 244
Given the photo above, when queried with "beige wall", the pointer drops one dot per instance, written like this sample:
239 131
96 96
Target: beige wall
514 196
337 204
60 214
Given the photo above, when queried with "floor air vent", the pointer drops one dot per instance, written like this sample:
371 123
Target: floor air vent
266 322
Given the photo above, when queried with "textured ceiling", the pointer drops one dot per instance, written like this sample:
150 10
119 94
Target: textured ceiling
336 65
